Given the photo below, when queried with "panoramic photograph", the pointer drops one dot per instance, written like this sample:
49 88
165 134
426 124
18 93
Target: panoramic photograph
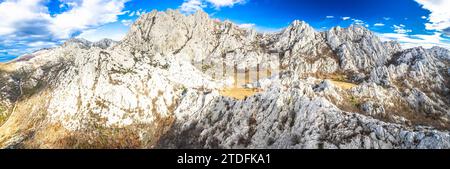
224 74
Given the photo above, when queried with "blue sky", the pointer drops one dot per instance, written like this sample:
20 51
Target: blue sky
28 25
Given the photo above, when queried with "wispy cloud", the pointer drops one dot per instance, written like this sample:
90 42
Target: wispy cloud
401 29
114 33
358 22
409 41
378 24
127 22
18 17
345 18
29 25
402 36
88 14
225 3
329 17
439 19
191 6
138 12
247 25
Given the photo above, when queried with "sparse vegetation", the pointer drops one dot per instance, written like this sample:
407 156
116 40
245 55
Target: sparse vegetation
184 90
343 85
338 79
33 90
102 104
2 109
6 67
355 101
166 66
206 67
239 93
4 114
350 104
123 71
57 136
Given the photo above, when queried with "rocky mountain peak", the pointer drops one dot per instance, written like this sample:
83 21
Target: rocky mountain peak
298 24
354 33
104 43
78 42
297 33
358 48
167 27
441 52
85 44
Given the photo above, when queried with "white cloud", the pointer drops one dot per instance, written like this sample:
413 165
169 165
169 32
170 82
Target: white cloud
401 29
127 22
191 6
358 22
42 43
225 3
87 14
141 12
386 18
439 18
94 35
138 12
423 17
329 17
378 24
68 3
345 18
409 41
132 14
18 16
27 25
247 25
267 29
258 28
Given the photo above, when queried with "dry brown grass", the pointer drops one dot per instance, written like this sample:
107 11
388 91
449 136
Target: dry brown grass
241 79
7 67
343 85
4 114
338 79
239 93
25 118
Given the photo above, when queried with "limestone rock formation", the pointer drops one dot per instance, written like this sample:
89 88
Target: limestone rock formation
162 87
